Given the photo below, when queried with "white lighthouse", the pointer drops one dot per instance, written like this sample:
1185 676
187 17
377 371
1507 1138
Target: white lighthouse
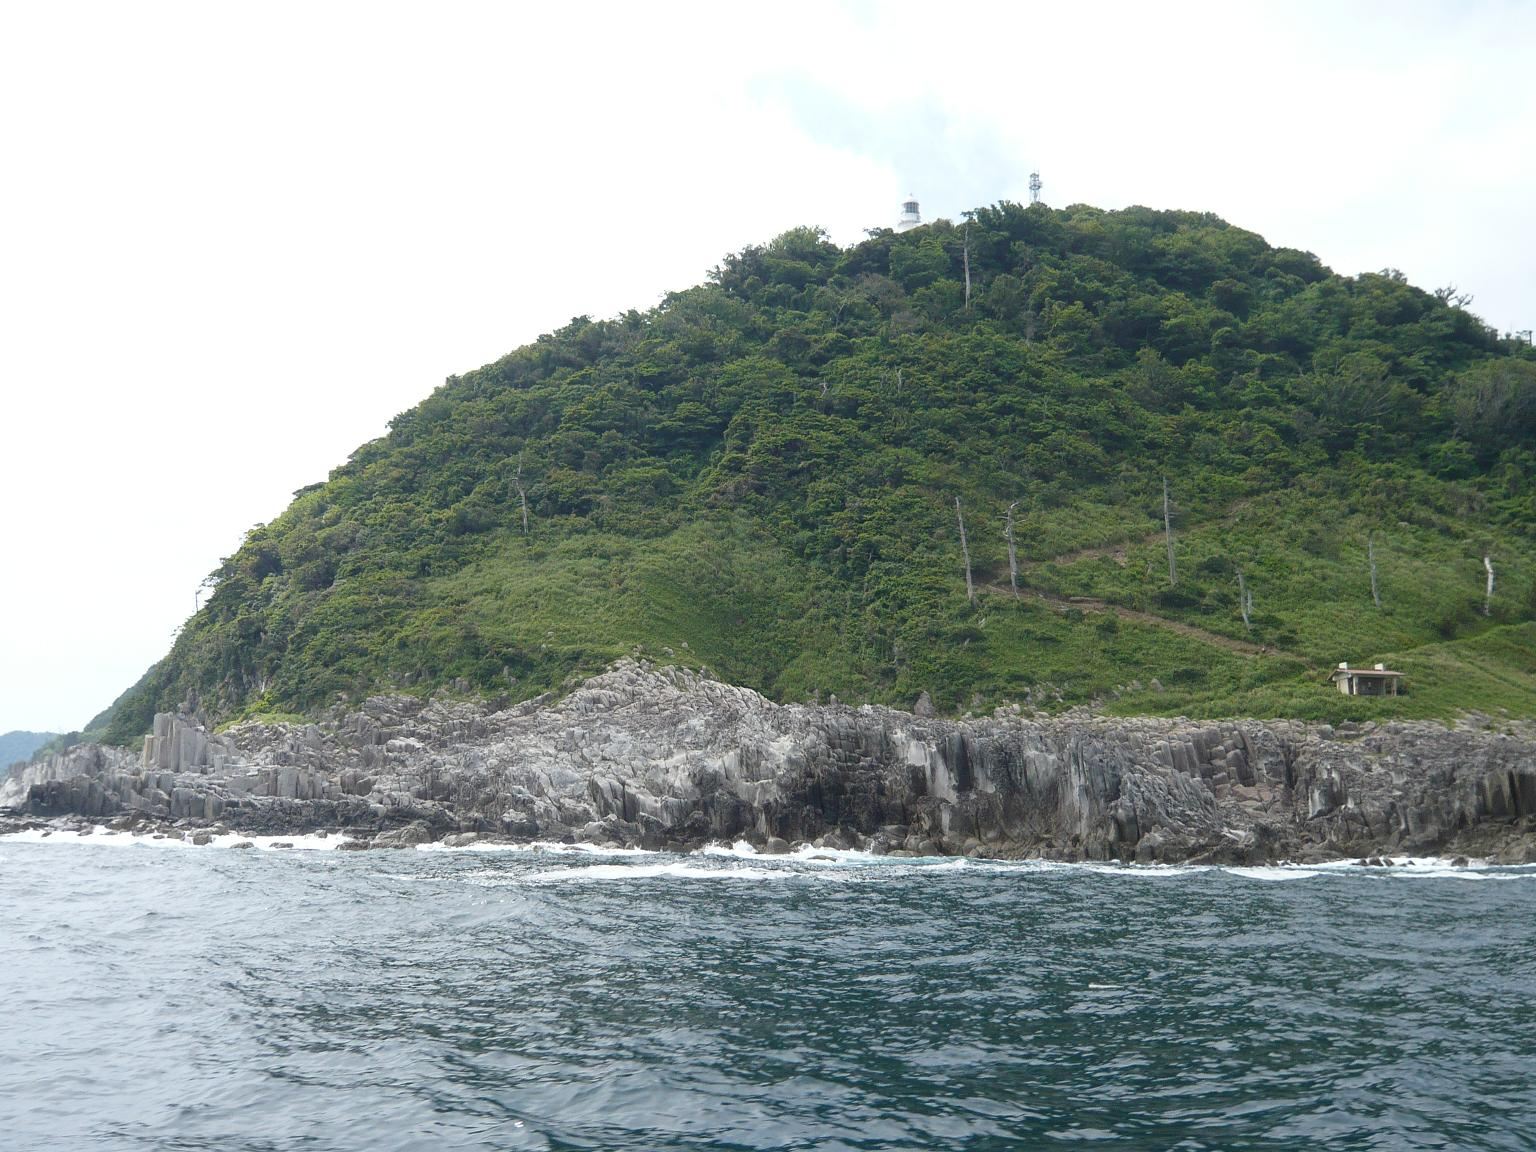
910 217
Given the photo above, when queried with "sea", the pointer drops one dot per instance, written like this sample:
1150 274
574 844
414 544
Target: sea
154 995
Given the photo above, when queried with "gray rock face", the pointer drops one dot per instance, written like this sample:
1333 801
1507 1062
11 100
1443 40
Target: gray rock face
81 780
660 757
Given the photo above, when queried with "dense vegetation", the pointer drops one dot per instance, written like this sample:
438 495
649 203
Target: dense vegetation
760 476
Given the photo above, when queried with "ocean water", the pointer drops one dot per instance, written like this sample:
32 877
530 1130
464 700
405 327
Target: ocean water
157 997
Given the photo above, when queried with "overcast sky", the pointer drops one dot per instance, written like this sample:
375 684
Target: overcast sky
235 240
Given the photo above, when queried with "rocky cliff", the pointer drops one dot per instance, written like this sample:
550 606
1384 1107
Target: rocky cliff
659 757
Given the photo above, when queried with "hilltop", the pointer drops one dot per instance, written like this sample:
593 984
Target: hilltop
17 746
760 475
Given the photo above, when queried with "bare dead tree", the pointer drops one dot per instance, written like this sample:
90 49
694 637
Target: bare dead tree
1453 296
1173 571
522 496
1244 600
1013 556
965 551
1370 555
1488 595
967 257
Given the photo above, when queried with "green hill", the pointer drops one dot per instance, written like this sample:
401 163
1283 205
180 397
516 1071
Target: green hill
760 476
17 746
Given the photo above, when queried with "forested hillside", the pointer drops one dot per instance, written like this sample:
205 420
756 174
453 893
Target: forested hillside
761 474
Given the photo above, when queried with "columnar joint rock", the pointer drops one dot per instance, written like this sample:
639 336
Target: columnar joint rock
659 757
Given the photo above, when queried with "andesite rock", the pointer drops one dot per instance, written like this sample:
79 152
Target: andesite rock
659 757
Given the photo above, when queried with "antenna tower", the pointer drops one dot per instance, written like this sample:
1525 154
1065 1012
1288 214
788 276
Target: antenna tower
1034 187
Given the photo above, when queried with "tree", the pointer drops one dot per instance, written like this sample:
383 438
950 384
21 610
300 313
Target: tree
1449 295
1493 406
918 265
1370 555
965 551
522 494
1013 556
1173 571
967 243
1355 399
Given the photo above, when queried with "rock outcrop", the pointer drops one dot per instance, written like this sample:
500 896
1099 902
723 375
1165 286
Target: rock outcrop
664 758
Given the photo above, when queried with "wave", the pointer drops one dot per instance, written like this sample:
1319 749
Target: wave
1416 868
678 870
741 860
1272 871
551 847
811 854
104 837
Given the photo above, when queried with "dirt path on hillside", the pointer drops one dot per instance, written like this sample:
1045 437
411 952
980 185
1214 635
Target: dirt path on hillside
1117 551
1089 604
1098 552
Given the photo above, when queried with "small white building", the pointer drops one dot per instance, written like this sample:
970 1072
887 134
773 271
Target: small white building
1377 681
910 216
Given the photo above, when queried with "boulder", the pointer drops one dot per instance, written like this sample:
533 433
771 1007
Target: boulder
414 833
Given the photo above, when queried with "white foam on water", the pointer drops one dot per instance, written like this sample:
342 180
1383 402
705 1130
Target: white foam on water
544 846
1023 865
1143 871
802 854
1431 872
807 854
1136 871
740 861
1413 867
100 837
740 848
1402 867
103 837
832 863
1352 864
306 843
676 870
1272 872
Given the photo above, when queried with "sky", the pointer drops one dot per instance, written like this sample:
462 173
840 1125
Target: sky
237 239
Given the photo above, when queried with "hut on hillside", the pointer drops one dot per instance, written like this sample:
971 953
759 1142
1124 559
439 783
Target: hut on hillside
1377 681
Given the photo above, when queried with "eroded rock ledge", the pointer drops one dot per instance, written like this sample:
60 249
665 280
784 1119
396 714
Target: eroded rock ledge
659 758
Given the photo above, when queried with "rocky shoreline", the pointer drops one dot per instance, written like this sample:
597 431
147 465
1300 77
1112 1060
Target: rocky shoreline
662 758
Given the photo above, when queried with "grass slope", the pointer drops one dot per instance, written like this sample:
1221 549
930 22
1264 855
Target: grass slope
760 475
